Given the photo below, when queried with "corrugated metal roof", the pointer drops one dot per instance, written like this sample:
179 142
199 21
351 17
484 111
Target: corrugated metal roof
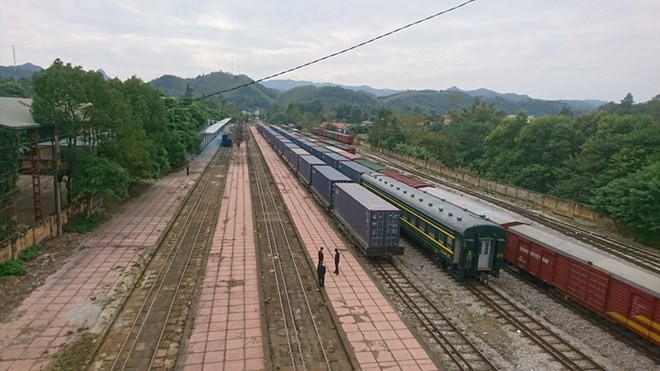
217 126
15 113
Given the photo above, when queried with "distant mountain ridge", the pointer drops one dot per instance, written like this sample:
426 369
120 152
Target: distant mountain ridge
19 72
283 92
284 85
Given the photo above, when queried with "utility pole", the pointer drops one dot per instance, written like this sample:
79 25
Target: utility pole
13 49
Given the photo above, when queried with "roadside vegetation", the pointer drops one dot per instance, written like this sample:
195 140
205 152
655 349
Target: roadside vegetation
15 267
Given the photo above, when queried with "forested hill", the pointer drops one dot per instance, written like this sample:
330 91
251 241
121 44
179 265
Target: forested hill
248 98
305 93
258 96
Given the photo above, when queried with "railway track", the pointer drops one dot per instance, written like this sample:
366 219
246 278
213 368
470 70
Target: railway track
638 256
297 340
459 350
147 332
562 351
568 356
631 339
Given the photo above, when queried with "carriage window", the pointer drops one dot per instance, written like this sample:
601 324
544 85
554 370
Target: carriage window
450 241
486 245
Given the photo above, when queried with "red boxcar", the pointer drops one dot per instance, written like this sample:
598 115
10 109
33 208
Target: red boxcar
350 156
618 291
344 138
403 178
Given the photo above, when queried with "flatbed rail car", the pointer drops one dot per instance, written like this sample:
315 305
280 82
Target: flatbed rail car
468 245
615 290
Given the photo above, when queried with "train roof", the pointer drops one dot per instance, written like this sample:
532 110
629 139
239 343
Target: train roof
447 213
366 198
478 207
624 271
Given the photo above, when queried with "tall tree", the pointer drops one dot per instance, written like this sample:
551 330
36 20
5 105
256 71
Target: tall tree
633 201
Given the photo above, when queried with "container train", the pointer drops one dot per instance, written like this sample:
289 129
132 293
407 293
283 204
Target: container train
372 222
467 244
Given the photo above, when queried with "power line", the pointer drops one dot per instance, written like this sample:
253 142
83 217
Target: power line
341 51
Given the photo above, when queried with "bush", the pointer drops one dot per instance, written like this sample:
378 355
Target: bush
80 224
12 268
30 253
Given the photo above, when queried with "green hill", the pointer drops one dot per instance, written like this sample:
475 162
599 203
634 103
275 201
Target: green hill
246 98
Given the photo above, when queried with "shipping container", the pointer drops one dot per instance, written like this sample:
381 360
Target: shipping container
371 220
332 159
353 170
323 182
305 165
293 157
317 150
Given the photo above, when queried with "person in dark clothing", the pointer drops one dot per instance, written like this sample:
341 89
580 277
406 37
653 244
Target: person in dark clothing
320 270
336 261
321 255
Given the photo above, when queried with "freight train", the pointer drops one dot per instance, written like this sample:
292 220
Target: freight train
615 290
372 222
340 137
618 291
467 244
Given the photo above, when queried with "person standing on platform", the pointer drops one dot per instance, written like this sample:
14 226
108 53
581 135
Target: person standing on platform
336 261
320 270
320 254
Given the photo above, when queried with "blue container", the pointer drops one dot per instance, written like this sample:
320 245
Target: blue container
373 222
332 158
294 154
324 179
353 170
305 166
317 150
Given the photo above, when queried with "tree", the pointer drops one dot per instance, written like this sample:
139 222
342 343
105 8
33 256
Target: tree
633 201
9 142
98 176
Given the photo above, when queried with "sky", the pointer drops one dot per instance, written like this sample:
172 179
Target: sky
560 49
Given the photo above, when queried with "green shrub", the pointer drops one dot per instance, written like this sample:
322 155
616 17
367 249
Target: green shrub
80 224
30 253
12 268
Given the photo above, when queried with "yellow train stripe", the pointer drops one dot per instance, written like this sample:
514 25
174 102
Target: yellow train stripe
402 206
439 244
645 330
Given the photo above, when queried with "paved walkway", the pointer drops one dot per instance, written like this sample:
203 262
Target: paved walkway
83 293
227 329
379 337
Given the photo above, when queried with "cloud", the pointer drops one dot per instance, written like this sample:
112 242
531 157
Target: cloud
551 50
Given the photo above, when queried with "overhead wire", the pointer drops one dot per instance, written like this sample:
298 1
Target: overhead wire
339 52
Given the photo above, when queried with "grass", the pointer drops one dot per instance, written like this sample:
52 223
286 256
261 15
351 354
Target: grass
30 253
15 267
82 225
12 267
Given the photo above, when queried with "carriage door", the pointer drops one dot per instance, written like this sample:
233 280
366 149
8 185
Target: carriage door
485 252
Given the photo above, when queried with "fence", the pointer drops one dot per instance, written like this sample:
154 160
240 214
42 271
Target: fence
37 233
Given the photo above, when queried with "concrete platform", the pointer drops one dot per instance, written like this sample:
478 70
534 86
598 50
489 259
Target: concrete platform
380 339
227 332
77 297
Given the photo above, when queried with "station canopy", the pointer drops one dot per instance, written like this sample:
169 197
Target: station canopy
15 113
214 128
